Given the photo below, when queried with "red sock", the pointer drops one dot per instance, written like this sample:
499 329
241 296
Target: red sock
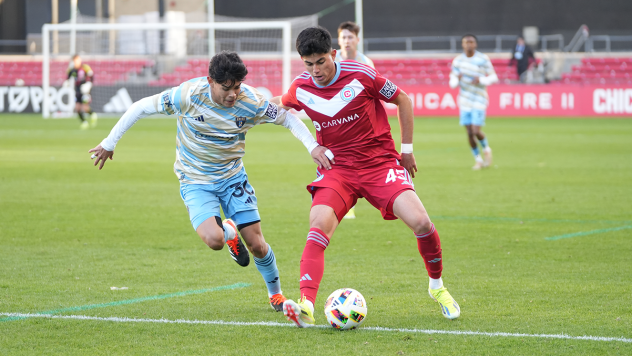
429 247
313 263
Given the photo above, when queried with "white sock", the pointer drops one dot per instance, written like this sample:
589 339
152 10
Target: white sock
435 283
229 232
310 305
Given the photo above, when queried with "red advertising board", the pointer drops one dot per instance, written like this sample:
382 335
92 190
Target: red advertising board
527 100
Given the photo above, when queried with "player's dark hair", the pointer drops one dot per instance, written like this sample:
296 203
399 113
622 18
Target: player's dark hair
75 56
313 40
227 68
349 25
470 35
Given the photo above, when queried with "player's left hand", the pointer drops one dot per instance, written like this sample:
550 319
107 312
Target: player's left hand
101 155
475 81
408 162
323 157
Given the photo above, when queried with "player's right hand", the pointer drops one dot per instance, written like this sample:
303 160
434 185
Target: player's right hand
100 154
323 157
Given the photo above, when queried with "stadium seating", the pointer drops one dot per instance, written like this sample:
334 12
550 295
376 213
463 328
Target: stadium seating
616 71
408 71
268 73
260 72
433 71
107 72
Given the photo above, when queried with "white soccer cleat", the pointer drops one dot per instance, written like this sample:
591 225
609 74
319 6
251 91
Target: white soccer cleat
479 164
487 156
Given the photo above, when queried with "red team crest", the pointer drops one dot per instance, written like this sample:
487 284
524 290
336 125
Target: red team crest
347 94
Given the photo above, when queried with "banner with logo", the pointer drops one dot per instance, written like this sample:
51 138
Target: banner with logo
108 99
504 100
526 100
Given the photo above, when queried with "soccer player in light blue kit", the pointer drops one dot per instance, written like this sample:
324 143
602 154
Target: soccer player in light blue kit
214 113
472 71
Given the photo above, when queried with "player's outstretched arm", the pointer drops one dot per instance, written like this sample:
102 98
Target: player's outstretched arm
321 155
137 111
406 125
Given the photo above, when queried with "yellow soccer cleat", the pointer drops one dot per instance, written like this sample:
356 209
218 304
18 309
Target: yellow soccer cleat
84 125
93 120
299 313
350 214
449 306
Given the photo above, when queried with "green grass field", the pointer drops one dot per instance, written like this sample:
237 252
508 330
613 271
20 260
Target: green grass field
538 245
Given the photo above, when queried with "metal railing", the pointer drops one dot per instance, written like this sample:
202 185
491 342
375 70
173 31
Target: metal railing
608 41
545 39
487 43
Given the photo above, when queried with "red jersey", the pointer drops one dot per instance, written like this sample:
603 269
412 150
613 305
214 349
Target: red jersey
348 116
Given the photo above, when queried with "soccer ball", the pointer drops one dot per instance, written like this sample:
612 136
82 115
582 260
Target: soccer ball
345 309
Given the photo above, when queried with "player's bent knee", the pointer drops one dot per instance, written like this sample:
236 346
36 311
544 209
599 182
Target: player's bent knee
258 248
423 225
212 239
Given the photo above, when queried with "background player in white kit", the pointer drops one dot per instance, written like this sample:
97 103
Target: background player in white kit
472 71
214 114
348 40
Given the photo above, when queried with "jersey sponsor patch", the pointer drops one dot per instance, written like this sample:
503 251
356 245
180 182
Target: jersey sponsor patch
272 111
388 89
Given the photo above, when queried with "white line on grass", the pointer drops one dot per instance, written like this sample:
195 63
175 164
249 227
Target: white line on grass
272 323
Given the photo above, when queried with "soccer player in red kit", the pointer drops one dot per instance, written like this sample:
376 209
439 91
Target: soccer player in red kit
356 159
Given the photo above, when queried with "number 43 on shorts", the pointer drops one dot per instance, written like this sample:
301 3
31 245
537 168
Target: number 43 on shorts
401 174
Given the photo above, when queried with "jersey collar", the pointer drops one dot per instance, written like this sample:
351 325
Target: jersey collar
333 80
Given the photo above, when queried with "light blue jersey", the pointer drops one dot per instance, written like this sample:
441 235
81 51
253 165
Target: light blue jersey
472 96
210 141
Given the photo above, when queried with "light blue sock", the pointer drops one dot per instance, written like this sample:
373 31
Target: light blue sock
269 271
475 152
483 142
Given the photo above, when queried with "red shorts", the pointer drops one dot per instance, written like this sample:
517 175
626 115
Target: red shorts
379 185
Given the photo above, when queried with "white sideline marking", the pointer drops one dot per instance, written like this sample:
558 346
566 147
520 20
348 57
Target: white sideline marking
273 323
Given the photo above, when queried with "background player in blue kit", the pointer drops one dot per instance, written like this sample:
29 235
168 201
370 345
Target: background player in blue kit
472 72
214 114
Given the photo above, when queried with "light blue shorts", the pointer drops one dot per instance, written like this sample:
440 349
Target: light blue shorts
473 117
235 195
